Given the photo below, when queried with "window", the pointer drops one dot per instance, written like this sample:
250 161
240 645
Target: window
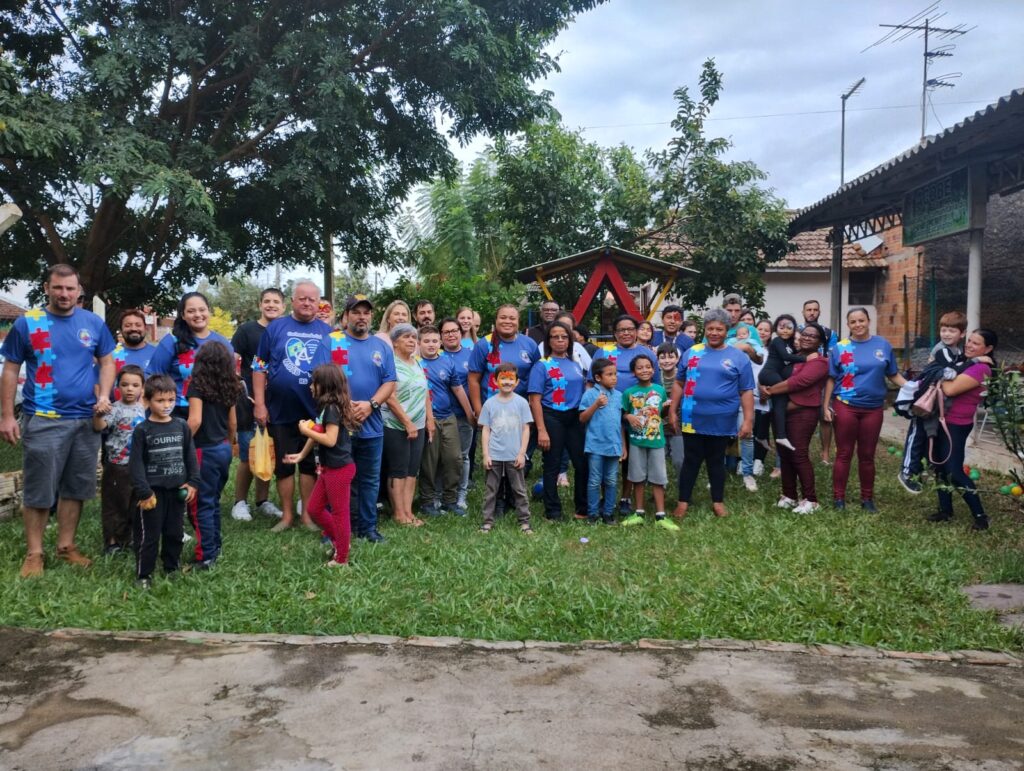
861 288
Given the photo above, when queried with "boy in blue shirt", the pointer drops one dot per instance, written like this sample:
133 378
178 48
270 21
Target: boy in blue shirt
601 412
505 419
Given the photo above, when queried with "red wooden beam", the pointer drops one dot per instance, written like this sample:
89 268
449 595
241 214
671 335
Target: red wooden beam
607 270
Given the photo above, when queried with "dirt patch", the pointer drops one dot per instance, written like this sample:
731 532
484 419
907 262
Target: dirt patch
55 709
550 676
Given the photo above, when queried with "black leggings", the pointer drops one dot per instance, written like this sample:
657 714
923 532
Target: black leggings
762 426
780 402
950 475
697 449
567 434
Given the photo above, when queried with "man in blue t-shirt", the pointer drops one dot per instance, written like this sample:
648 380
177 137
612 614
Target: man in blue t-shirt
369 364
133 348
289 350
59 345
671 323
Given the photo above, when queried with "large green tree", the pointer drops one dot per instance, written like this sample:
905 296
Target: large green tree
153 143
714 214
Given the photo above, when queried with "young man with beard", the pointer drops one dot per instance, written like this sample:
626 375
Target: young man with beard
246 341
133 348
369 364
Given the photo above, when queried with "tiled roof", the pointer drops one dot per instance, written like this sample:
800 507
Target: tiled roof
9 310
814 252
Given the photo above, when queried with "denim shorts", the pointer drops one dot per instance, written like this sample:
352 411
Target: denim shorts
60 459
244 440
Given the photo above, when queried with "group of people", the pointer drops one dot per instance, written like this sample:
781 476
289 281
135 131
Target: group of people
347 407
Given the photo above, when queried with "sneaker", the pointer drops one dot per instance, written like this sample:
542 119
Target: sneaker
739 469
750 483
563 480
625 507
784 443
32 567
144 584
268 509
980 523
910 484
459 510
113 549
839 504
939 516
758 467
72 556
430 511
806 507
240 511
372 536
633 519
204 564
869 506
786 503
333 563
609 520
666 523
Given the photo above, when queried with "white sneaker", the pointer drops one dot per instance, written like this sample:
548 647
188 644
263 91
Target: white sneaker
240 511
758 467
750 483
786 503
739 469
806 507
267 509
563 480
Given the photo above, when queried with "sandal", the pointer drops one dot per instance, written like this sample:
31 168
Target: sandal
486 527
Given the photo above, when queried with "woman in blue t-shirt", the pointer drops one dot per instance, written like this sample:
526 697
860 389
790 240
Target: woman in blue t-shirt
556 386
854 401
175 354
714 382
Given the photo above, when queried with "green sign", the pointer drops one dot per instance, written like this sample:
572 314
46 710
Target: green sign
938 209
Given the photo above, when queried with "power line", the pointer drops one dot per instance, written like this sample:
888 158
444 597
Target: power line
789 114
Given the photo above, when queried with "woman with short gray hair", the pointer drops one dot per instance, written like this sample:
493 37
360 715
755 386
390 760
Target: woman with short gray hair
714 382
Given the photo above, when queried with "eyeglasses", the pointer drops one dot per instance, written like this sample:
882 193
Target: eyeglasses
452 332
625 329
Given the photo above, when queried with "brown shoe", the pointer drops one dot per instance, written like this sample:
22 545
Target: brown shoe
32 567
72 556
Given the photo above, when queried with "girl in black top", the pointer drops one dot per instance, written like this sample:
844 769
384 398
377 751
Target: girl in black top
782 356
212 395
331 436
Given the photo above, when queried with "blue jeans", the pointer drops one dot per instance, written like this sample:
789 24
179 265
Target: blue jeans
214 463
746 450
604 470
466 432
367 454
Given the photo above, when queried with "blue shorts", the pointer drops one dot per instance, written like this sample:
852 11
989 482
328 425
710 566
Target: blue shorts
244 439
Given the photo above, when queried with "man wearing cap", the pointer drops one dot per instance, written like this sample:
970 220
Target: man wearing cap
369 365
289 350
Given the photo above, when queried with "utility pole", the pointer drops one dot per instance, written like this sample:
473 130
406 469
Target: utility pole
842 131
329 265
923 22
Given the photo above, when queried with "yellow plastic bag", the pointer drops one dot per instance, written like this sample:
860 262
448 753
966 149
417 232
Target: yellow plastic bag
261 457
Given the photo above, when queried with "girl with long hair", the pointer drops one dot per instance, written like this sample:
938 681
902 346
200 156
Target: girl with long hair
212 394
330 434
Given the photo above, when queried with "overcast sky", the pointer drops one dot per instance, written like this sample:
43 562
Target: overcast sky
622 61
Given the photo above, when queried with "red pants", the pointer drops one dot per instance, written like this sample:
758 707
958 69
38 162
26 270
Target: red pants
800 425
333 487
859 426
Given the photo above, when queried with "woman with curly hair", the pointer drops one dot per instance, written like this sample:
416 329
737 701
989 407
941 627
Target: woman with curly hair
212 395
330 436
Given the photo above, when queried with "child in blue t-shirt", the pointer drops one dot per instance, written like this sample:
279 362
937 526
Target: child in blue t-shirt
505 419
601 412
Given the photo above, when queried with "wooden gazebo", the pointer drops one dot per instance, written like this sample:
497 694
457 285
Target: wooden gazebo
603 264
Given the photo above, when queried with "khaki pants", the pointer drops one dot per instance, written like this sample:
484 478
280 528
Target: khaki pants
441 467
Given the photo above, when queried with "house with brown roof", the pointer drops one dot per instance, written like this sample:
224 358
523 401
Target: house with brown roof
8 313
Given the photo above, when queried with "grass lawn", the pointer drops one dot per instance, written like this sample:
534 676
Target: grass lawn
890 579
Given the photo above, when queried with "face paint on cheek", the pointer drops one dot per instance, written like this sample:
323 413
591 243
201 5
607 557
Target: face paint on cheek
505 379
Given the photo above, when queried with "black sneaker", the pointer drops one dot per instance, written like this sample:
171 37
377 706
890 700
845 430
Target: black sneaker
590 521
373 536
609 521
112 549
144 584
869 506
625 507
839 504
910 484
980 523
939 516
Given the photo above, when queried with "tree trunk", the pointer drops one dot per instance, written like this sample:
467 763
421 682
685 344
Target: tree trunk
106 229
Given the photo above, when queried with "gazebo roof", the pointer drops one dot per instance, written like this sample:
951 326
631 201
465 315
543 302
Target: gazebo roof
632 260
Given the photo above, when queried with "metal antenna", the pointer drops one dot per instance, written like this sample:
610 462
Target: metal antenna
902 31
842 132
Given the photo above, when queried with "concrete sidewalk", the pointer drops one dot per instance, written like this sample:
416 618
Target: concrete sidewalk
83 701
987 452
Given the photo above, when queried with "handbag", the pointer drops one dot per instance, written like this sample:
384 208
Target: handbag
261 457
926 404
